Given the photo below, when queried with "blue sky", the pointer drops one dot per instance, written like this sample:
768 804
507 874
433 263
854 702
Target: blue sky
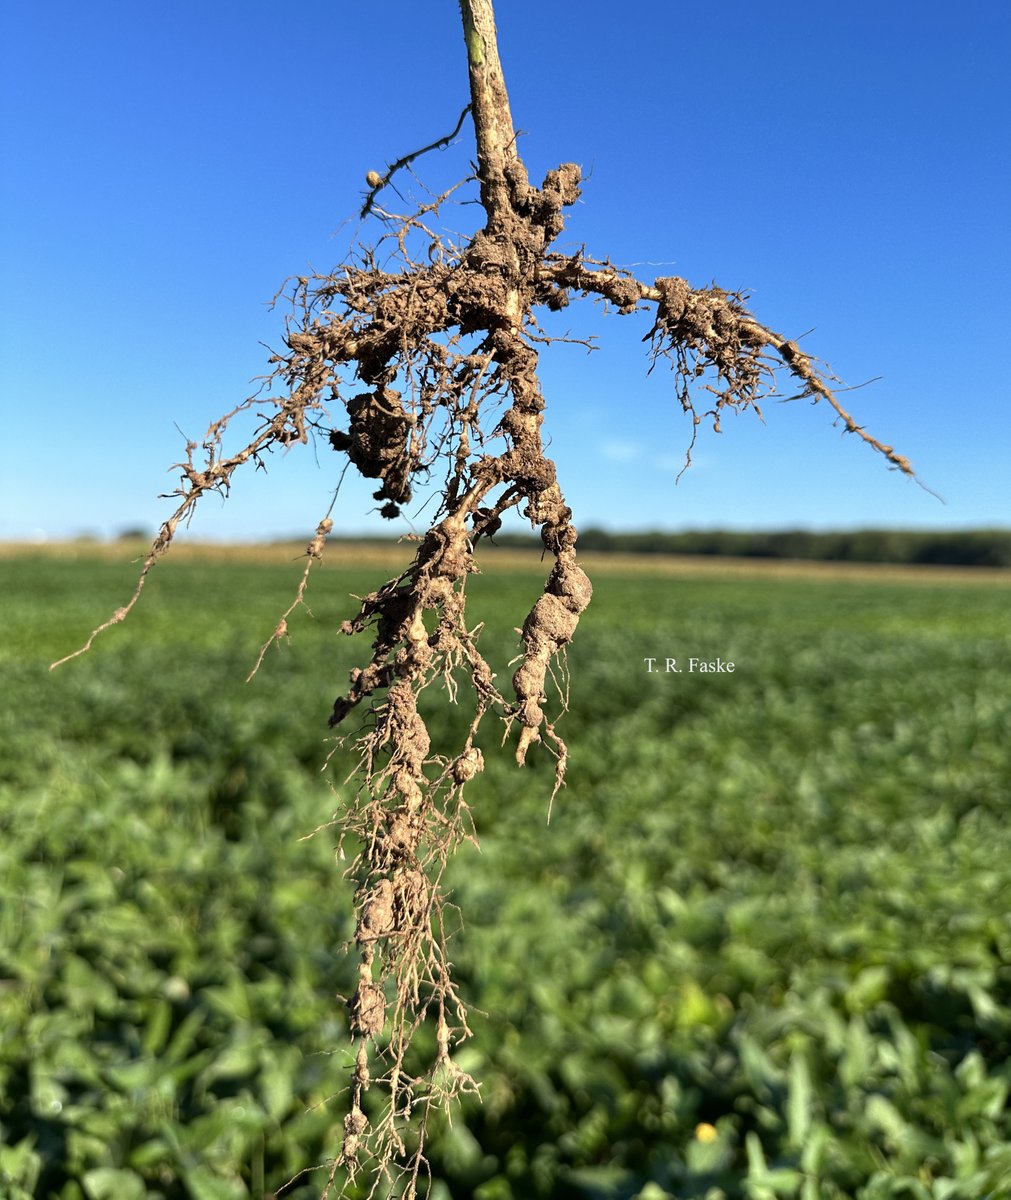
166 167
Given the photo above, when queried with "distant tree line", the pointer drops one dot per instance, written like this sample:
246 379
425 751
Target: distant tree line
956 548
965 548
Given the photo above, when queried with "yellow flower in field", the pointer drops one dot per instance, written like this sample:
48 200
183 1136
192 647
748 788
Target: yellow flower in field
706 1133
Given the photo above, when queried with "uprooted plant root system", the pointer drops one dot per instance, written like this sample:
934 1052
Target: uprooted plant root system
418 357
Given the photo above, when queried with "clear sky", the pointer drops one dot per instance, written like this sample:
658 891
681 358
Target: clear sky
165 167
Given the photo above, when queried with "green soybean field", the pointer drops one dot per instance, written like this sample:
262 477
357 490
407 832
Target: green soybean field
760 946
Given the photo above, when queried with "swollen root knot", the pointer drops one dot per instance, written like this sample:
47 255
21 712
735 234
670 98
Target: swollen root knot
355 1124
469 764
551 621
367 1010
571 584
378 918
547 630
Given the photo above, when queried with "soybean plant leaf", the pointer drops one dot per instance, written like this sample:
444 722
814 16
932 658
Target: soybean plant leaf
114 1183
799 1099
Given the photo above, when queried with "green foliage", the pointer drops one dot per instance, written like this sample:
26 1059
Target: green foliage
762 950
954 547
